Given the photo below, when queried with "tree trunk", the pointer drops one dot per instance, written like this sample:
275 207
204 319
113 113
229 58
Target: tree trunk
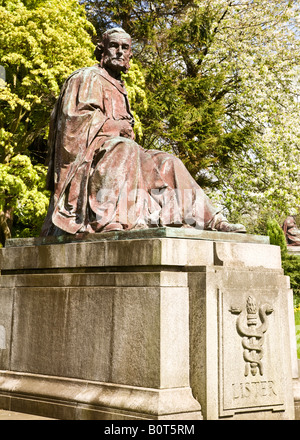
5 225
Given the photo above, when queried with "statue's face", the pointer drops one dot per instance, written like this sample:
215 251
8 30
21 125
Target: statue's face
117 52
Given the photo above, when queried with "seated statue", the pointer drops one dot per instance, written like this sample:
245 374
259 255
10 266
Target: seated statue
291 232
101 180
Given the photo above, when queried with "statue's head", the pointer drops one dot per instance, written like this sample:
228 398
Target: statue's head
114 51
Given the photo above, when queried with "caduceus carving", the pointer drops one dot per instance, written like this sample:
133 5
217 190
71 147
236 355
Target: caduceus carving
253 335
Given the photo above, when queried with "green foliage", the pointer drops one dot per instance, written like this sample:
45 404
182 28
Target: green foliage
135 86
41 43
136 17
291 267
189 98
187 108
221 81
222 85
290 263
191 121
22 188
276 235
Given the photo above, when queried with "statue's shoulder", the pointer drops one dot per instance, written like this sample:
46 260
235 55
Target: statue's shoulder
85 72
79 76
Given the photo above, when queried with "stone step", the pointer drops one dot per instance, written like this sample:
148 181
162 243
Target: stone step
12 415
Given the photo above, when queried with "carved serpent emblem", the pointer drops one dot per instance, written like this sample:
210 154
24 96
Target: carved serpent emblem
253 336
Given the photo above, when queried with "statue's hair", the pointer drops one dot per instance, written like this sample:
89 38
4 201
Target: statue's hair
100 46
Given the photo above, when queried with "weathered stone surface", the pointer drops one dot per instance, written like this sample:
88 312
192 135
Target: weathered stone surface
247 255
293 250
165 232
98 252
6 318
102 400
296 391
221 378
12 415
145 329
136 335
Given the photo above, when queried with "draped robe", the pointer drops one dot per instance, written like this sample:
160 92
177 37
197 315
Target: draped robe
291 232
98 177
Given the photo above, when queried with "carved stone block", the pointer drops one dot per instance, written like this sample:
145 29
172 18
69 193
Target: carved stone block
251 375
241 316
176 325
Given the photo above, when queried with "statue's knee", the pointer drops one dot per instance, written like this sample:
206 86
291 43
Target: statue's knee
130 146
175 161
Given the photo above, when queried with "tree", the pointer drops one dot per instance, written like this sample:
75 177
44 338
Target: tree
41 43
290 263
22 189
186 106
135 86
263 181
222 89
276 234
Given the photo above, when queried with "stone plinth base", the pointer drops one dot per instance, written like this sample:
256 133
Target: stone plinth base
296 386
158 324
293 250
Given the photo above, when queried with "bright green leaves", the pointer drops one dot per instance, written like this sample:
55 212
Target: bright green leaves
276 235
135 86
221 88
290 263
22 189
41 43
40 46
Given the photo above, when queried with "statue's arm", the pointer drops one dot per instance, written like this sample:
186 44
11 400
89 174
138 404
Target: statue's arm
83 112
115 128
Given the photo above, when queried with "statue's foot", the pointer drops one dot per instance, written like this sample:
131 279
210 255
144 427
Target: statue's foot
220 223
112 227
225 226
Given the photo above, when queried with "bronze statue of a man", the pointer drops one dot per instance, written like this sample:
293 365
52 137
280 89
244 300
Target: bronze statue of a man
101 179
291 231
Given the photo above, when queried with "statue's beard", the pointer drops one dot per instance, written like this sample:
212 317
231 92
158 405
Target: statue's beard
108 61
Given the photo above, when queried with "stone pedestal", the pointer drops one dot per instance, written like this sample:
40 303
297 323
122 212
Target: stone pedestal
293 250
155 324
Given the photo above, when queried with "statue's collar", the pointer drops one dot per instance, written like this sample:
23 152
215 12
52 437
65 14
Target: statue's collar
119 85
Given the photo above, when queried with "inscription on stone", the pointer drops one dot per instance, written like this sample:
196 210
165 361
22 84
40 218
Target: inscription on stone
251 375
264 388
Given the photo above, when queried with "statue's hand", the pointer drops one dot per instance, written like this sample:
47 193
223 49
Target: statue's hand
119 128
126 129
127 133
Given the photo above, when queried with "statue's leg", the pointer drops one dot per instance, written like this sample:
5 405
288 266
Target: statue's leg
118 187
185 196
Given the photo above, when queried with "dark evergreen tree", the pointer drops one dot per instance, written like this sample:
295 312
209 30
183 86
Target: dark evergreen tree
187 112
